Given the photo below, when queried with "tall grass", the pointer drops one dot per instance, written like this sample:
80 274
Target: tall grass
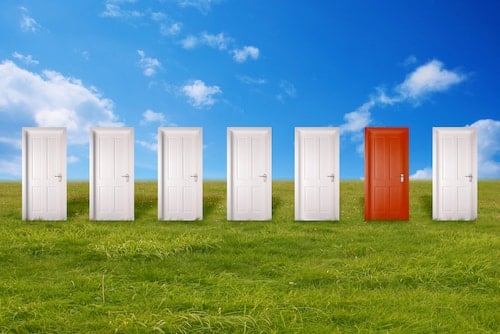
279 276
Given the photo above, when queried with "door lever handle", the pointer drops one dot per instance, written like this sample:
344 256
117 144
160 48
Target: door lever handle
195 177
332 177
469 177
126 176
59 176
264 177
402 177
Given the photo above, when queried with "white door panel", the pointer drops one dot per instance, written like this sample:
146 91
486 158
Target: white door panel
180 174
249 174
44 174
316 173
112 174
454 186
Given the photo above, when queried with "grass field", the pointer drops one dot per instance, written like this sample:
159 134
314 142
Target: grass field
281 276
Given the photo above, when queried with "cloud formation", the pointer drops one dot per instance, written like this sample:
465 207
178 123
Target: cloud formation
488 147
203 6
200 95
27 59
149 65
51 99
426 79
28 23
241 55
149 116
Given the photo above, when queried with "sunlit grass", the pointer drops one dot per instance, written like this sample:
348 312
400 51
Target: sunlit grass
250 277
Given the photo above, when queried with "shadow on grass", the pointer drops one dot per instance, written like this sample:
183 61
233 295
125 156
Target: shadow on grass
277 202
212 204
425 202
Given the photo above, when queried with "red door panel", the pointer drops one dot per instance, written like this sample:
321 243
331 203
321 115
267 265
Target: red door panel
386 174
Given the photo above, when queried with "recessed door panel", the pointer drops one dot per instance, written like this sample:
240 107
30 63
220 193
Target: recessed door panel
44 174
180 174
111 174
317 173
386 174
454 179
249 181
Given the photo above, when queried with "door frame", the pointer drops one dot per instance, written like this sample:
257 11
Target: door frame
198 132
231 132
335 131
94 132
25 183
436 165
368 215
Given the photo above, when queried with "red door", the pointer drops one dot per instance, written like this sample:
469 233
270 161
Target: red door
386 174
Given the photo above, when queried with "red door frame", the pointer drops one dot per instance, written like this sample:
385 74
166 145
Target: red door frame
386 173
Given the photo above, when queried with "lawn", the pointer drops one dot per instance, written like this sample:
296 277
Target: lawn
280 276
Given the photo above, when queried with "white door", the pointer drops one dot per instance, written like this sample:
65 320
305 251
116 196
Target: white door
454 174
44 174
249 180
180 179
317 173
112 174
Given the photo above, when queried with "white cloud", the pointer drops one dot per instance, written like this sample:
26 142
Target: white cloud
28 23
150 146
190 42
201 95
149 65
170 30
52 99
28 59
203 6
488 147
218 41
114 9
428 78
422 174
149 116
423 81
252 81
241 55
357 120
287 90
73 159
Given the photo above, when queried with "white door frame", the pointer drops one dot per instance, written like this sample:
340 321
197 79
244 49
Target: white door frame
54 175
462 180
191 175
325 178
263 176
123 175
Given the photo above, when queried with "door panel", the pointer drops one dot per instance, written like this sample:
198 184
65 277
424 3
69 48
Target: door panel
111 174
44 174
317 173
386 174
249 174
454 185
180 174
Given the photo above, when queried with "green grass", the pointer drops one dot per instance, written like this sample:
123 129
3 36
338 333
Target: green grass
281 276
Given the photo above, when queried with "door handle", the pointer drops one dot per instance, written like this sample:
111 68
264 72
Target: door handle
195 177
264 177
402 177
126 176
469 177
332 176
59 176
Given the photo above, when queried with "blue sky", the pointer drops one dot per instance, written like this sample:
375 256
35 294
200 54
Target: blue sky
220 63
